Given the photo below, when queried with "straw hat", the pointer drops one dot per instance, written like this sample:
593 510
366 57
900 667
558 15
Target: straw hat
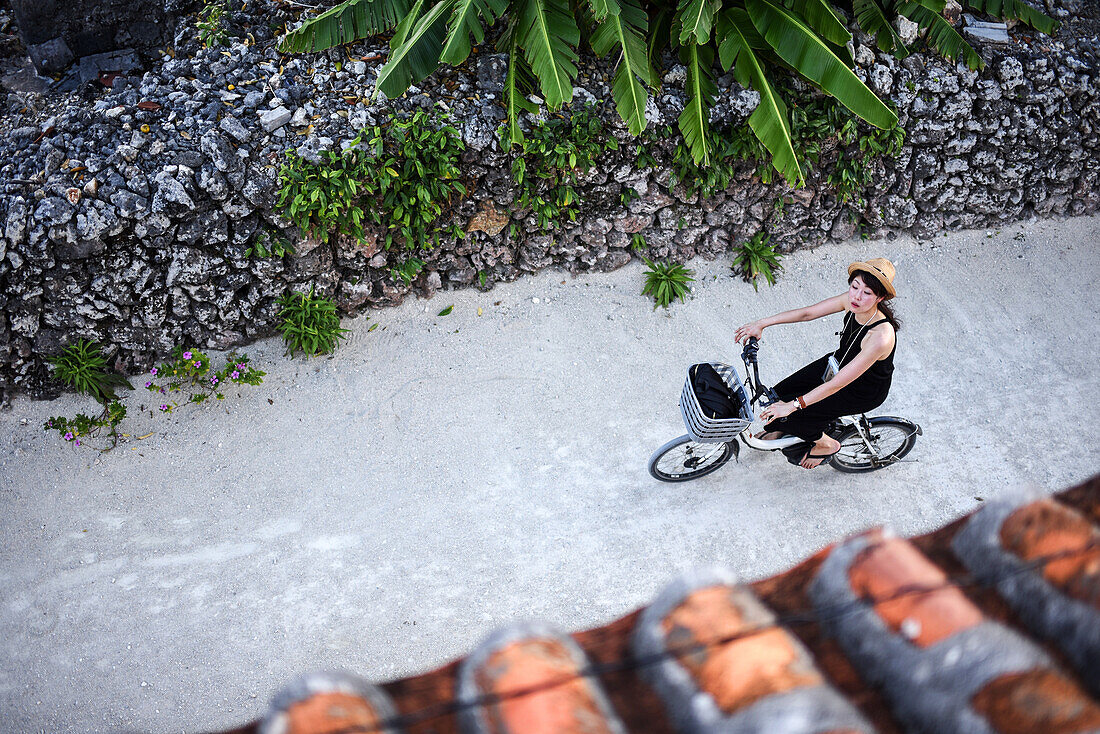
881 268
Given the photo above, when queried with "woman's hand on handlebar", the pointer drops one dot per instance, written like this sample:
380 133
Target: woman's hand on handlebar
743 333
777 410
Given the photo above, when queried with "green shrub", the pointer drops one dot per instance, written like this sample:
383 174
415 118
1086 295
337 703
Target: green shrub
407 271
309 324
757 257
324 198
81 366
210 24
665 281
270 244
402 176
552 155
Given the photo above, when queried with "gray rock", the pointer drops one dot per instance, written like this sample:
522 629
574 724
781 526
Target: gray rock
235 129
254 99
907 30
211 181
54 211
1010 72
218 149
128 204
170 192
272 120
50 57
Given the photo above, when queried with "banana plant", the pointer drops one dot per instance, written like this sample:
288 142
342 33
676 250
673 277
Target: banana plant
758 40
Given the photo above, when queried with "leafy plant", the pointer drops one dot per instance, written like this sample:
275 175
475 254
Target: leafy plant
730 148
309 323
552 155
211 23
401 176
323 198
269 244
188 370
82 366
84 426
407 271
757 257
637 242
191 371
759 41
665 281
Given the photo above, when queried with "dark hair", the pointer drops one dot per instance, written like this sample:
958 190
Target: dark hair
879 290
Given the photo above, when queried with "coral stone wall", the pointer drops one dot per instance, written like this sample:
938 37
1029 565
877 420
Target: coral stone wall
129 222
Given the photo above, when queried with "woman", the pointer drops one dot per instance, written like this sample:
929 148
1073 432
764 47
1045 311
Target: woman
807 401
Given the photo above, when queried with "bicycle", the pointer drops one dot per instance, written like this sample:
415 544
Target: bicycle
866 444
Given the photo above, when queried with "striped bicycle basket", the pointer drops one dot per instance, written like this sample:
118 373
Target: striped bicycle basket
715 430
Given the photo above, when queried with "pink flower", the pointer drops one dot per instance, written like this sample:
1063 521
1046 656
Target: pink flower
69 436
148 384
163 407
187 355
234 374
153 372
198 363
78 442
213 380
239 365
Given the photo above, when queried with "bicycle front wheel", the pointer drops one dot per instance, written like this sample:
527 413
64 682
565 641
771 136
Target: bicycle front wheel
891 439
682 459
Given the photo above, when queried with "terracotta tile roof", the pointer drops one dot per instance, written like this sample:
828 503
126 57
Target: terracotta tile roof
990 624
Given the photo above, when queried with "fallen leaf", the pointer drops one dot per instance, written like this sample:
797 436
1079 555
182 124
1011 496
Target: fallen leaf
372 328
479 310
446 311
147 435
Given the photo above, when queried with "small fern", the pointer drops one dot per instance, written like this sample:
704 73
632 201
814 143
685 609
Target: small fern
665 281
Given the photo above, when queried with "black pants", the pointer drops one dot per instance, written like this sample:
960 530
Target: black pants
810 422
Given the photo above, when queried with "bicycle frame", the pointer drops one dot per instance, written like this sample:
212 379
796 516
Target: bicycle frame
763 395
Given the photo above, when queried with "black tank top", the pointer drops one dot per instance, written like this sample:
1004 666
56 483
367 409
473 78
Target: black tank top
877 377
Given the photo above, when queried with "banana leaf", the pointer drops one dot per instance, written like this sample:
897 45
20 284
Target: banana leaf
811 56
626 31
1016 9
695 20
515 98
769 120
941 35
466 21
694 121
872 19
415 48
548 35
823 19
347 22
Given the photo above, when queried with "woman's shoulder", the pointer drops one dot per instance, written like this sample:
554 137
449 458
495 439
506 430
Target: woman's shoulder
881 335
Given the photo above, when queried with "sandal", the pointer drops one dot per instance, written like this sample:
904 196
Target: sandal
823 457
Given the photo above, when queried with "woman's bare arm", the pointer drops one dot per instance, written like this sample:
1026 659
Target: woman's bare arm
807 313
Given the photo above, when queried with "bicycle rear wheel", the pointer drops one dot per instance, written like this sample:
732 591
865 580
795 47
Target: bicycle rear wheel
682 459
891 439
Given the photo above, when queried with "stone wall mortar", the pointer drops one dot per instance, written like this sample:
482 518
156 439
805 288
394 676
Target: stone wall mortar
152 253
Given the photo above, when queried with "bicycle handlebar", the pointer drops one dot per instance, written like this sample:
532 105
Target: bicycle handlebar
748 355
